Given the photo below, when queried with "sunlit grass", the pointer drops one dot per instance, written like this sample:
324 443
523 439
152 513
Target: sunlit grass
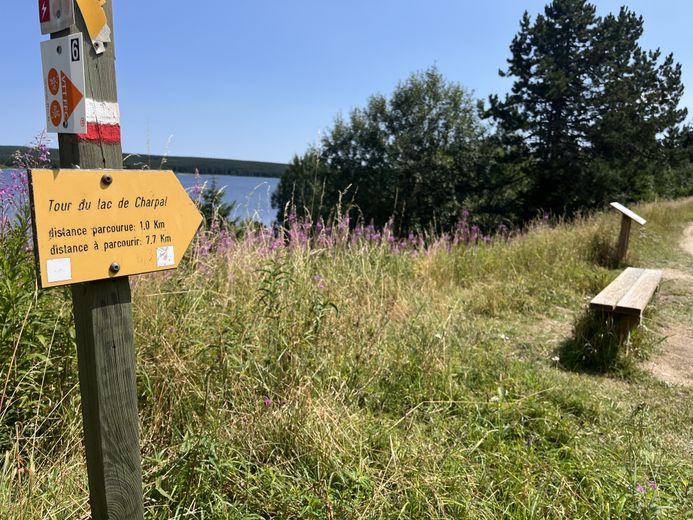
349 378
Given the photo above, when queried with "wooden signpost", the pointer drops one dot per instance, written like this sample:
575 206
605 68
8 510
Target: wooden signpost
624 235
102 309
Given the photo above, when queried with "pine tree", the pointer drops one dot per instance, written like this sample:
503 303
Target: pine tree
213 207
588 107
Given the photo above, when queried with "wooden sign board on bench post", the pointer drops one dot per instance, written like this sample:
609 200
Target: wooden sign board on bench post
624 236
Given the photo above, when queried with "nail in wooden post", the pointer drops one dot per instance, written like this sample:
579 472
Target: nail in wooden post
103 321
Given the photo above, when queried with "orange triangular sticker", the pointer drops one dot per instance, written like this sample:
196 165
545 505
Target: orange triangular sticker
71 96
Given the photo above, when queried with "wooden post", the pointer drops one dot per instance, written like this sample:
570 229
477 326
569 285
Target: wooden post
103 323
626 217
623 239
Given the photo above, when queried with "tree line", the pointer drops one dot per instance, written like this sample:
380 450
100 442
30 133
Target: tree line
591 117
204 165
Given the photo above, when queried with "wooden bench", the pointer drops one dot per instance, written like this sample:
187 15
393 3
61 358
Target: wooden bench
629 293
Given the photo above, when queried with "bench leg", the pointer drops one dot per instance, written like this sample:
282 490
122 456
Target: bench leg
624 326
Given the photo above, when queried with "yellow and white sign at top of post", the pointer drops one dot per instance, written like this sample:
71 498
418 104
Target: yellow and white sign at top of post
98 224
97 23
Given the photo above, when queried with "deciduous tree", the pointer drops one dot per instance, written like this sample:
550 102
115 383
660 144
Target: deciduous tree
412 156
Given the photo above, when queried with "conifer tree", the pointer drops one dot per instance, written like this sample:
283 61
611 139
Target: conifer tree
588 107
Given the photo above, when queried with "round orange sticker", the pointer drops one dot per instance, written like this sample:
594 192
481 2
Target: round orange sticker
56 113
53 82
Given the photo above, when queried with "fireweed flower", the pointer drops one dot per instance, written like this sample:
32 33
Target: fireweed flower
319 281
44 152
302 234
268 401
196 191
276 244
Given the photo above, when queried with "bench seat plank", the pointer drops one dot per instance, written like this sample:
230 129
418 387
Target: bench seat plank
629 293
612 293
637 298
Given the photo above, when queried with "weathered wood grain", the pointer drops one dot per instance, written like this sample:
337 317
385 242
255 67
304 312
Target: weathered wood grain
105 337
100 78
106 357
637 298
623 238
629 293
610 296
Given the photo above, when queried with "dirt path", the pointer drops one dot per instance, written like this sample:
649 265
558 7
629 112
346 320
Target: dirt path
674 363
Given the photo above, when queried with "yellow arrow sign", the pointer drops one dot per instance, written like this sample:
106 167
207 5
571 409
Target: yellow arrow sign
97 22
96 224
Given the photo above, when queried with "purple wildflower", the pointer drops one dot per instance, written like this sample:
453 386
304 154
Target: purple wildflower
276 244
639 488
44 152
199 187
319 281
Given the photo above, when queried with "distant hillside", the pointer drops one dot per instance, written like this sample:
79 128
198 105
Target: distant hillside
205 165
178 164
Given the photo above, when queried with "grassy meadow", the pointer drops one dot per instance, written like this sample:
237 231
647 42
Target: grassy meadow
350 376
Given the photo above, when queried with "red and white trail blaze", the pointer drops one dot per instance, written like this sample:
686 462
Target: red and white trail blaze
103 122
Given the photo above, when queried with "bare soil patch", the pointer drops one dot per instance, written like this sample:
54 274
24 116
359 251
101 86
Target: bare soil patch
674 364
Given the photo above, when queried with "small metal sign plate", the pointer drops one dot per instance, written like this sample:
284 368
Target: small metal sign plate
56 15
63 78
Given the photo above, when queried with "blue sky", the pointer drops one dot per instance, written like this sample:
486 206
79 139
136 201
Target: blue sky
258 80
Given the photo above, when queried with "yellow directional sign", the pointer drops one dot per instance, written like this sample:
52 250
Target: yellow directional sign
96 224
97 22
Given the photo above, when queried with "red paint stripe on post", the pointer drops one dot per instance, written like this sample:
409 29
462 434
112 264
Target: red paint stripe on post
107 134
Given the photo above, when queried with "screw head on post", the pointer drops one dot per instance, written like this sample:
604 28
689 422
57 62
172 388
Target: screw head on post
107 179
115 267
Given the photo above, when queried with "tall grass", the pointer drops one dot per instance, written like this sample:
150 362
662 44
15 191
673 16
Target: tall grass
340 373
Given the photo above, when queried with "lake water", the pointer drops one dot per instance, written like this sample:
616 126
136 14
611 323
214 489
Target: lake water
252 195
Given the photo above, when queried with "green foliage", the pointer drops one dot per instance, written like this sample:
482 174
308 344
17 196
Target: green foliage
303 188
356 382
587 109
412 156
605 343
37 368
205 165
592 117
676 176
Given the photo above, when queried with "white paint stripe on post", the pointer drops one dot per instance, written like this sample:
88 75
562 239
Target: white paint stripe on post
102 112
